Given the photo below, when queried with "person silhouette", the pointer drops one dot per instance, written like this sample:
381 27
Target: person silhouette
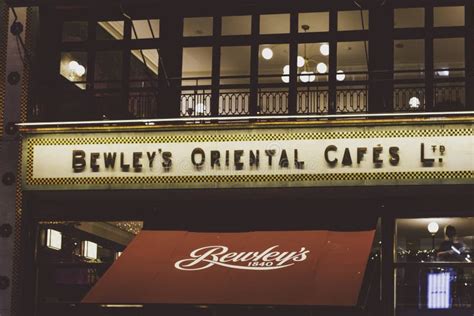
451 249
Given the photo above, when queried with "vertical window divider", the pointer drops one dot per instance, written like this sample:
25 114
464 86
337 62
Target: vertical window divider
216 65
91 56
126 55
254 51
429 62
292 92
332 60
469 54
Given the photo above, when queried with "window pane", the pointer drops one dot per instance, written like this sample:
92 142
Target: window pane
449 16
197 62
274 24
448 53
237 25
313 62
143 97
317 21
146 29
409 17
235 61
201 26
432 239
271 61
421 245
351 57
73 67
108 69
352 20
409 55
109 30
74 31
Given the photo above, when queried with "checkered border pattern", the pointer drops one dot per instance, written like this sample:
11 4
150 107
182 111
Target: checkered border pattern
204 138
278 178
241 178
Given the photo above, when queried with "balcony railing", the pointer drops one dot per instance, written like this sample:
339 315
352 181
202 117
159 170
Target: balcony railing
236 100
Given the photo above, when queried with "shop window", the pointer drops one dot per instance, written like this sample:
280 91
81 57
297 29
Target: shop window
435 264
235 62
86 252
352 20
109 30
74 31
448 16
432 239
273 63
316 21
409 17
275 24
145 29
73 67
236 25
108 69
201 26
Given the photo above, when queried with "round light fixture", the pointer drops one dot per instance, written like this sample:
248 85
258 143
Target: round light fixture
267 53
80 70
73 65
324 49
322 68
307 76
300 61
286 70
414 103
285 78
340 75
433 228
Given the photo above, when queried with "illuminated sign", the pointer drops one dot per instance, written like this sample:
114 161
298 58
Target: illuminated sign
291 157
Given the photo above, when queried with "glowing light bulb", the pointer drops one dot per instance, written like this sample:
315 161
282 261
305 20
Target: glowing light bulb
324 49
307 76
286 70
285 78
433 227
73 65
340 76
80 70
414 103
321 68
267 53
300 61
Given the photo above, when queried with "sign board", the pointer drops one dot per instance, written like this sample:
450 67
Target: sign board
271 268
260 157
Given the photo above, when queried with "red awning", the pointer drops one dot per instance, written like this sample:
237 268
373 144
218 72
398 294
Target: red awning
271 268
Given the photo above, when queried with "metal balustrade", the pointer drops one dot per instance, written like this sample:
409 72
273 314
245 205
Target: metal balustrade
272 99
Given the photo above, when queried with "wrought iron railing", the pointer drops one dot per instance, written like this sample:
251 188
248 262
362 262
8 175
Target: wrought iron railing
236 100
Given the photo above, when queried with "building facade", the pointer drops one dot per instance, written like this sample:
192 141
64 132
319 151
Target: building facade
329 141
